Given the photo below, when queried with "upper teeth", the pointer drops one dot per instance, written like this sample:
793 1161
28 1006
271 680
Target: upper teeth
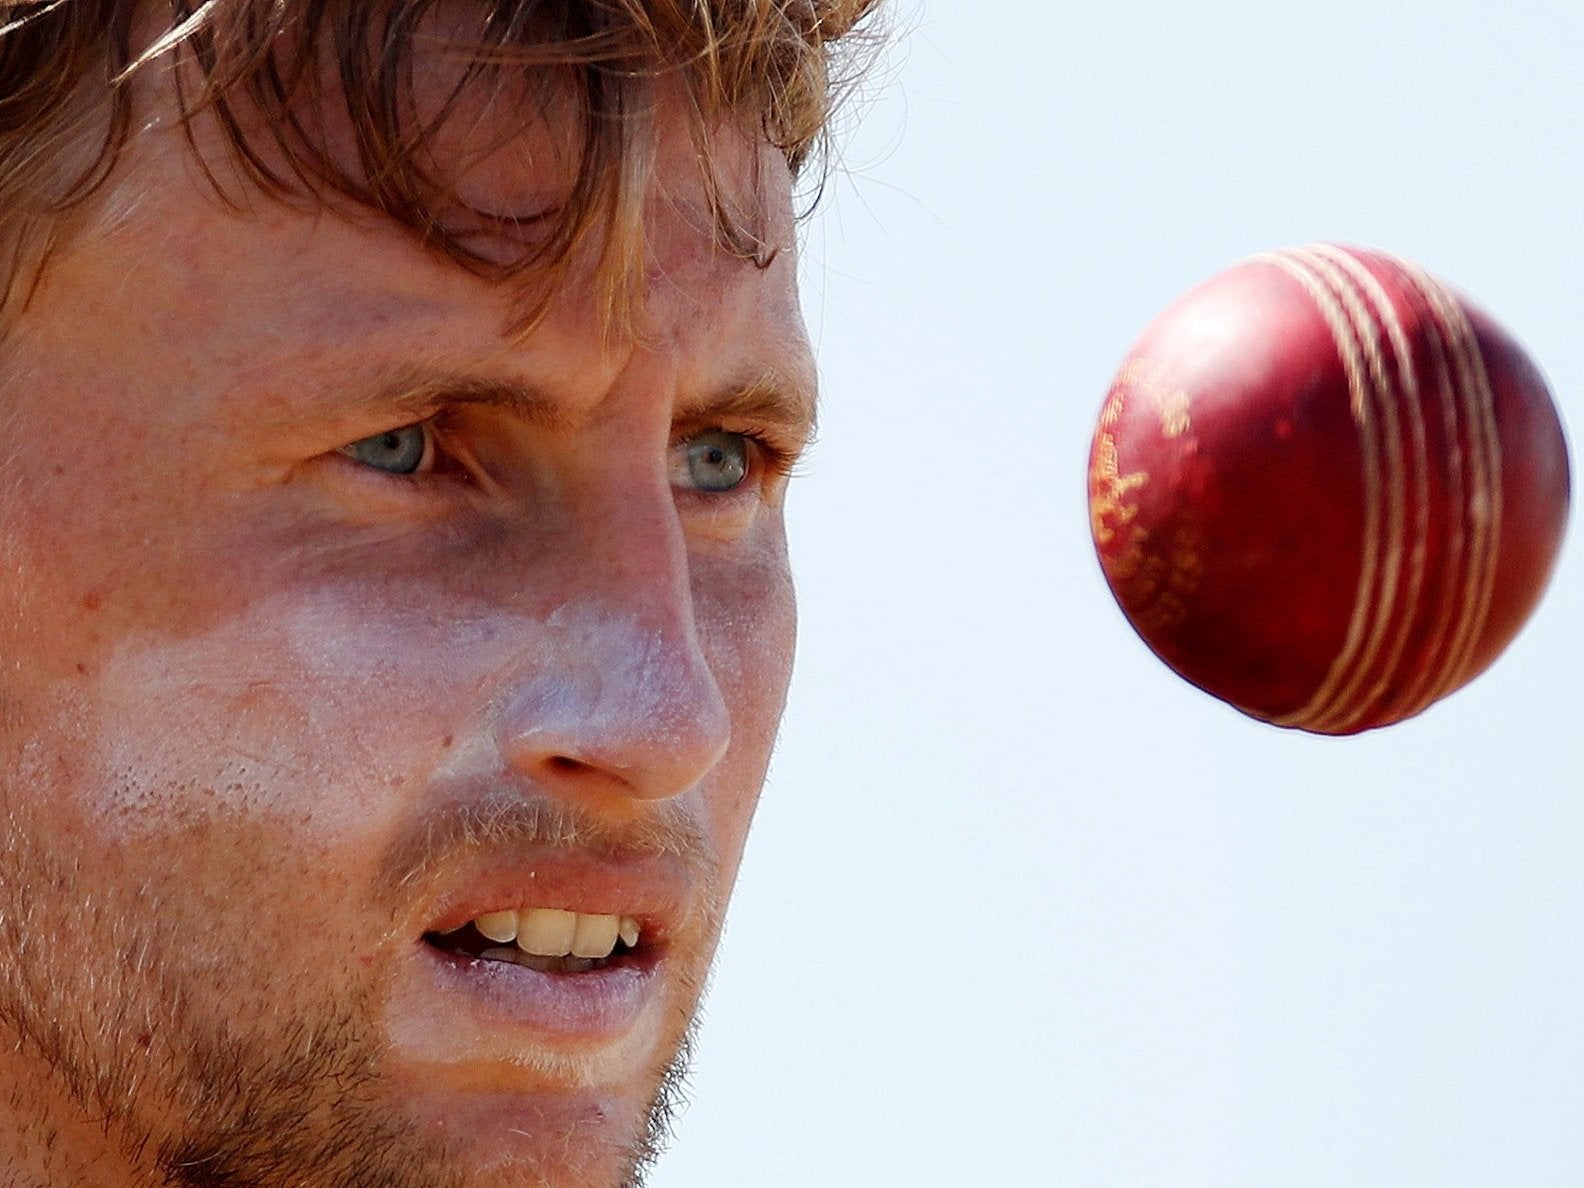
550 932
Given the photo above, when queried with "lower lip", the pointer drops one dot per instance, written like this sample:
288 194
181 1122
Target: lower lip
597 1006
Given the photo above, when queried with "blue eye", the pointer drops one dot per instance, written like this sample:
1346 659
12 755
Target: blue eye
396 451
714 462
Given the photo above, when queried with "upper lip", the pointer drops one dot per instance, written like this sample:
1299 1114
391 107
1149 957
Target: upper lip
658 891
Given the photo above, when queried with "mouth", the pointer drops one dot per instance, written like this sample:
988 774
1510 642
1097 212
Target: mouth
545 954
546 940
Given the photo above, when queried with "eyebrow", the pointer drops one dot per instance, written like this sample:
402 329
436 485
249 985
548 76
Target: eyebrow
768 397
419 392
765 397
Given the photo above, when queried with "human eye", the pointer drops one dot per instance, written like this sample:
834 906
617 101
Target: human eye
713 462
403 451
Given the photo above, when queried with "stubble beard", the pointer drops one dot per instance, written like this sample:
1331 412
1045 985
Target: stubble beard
138 1022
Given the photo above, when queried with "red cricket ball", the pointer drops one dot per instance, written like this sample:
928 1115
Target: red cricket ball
1327 489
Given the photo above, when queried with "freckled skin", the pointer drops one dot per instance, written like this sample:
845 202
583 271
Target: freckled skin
239 668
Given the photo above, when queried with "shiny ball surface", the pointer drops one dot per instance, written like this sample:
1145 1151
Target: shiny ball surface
1327 489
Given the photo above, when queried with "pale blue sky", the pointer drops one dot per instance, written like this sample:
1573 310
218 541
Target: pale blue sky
1022 908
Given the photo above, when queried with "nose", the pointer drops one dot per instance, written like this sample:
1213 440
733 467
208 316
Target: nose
617 697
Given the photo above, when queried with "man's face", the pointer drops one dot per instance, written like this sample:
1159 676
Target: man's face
287 727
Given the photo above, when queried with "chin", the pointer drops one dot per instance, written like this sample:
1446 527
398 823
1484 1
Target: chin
564 1141
558 1138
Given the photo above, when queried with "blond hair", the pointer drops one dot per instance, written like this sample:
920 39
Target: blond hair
260 70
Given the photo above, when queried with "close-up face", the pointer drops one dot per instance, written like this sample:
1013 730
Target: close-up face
388 689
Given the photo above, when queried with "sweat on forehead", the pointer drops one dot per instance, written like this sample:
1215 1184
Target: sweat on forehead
391 106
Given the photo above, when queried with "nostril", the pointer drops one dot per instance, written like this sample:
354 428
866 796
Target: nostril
647 724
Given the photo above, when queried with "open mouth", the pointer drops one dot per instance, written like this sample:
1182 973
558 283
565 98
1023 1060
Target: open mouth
549 940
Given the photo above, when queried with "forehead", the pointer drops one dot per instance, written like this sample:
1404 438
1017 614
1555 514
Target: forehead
494 160
330 268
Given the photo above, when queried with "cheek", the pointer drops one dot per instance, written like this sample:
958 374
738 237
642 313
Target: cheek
747 623
314 711
746 618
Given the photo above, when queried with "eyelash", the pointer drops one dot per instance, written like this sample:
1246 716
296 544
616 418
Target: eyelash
772 458
434 454
776 460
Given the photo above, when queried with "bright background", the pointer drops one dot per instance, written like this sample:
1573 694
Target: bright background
1021 907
